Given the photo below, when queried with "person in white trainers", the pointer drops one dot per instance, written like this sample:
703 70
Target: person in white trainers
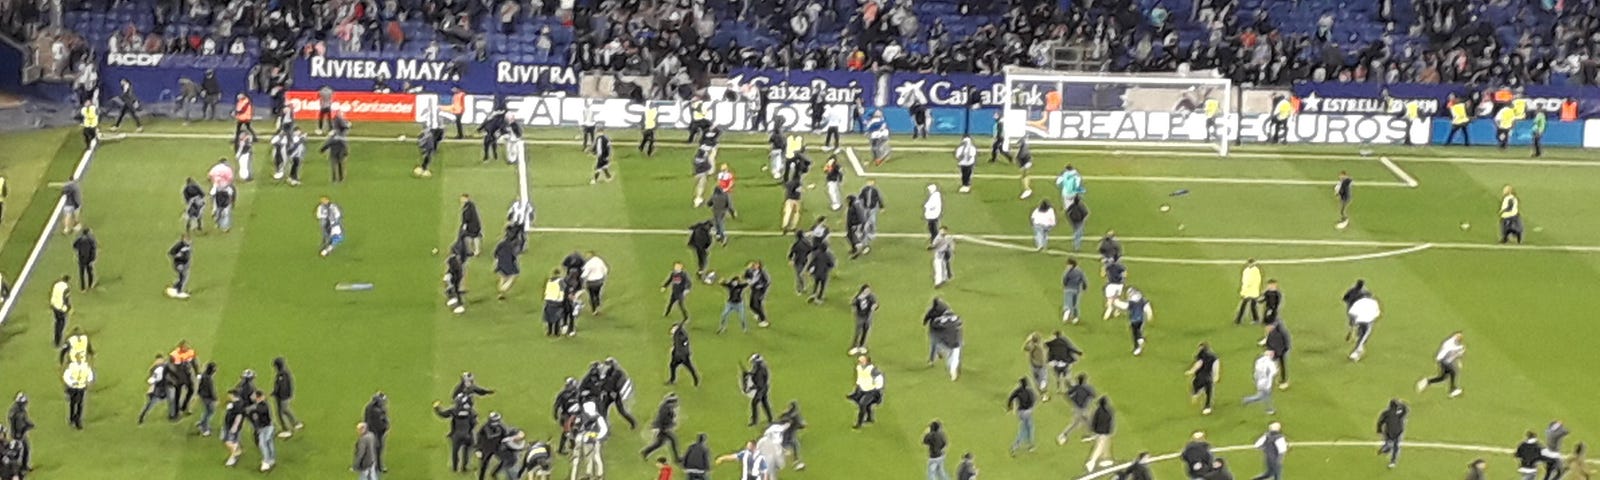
1449 358
966 159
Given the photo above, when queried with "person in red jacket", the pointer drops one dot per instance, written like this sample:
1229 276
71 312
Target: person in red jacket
243 112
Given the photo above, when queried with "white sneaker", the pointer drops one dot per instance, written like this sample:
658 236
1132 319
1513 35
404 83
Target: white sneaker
232 460
277 175
460 310
285 434
1455 393
1138 350
964 189
1422 385
1061 439
1205 411
1026 194
451 302
266 466
183 295
697 202
171 292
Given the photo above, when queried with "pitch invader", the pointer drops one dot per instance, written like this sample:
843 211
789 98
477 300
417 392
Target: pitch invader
777 144
428 146
455 274
602 160
297 155
244 145
1344 190
999 147
878 135
1024 164
331 217
516 147
194 202
704 157
180 253
280 141
492 128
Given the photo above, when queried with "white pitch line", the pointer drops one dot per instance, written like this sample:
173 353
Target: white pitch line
1458 447
1262 241
1149 153
1197 261
1398 172
44 236
1135 178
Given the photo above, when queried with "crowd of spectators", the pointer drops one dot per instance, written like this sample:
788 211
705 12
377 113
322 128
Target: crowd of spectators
680 43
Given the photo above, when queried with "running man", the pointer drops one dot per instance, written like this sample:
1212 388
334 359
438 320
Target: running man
1344 190
1024 165
1449 358
1363 312
332 220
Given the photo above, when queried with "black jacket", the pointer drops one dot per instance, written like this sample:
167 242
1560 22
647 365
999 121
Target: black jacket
1392 422
207 389
697 457
1196 458
1272 299
19 421
800 253
490 437
1061 349
1278 339
822 263
666 415
1103 422
377 416
462 420
680 343
700 236
88 249
283 385
471 225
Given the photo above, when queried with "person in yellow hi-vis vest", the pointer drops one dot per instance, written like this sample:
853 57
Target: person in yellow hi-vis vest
1503 121
1520 105
1458 121
1249 292
1510 215
1212 108
1413 114
701 123
1282 109
647 135
89 118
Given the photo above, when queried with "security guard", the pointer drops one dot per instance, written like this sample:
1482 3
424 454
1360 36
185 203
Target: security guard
463 420
1282 110
1458 121
647 136
1504 120
77 349
701 113
1413 115
1510 215
77 376
89 118
1212 108
60 305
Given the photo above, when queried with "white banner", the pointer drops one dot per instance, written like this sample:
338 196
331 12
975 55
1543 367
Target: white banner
551 111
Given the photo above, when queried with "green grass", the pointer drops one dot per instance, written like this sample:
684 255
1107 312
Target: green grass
261 292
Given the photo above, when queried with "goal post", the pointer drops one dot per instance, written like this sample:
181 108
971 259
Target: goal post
1196 109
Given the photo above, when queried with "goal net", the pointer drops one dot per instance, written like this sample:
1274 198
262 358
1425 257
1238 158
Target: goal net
1174 110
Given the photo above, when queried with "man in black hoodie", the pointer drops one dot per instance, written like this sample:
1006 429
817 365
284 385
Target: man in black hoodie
800 259
1356 292
462 422
206 389
821 267
1061 354
1102 424
721 205
1278 341
665 427
700 243
1529 455
615 391
88 251
1392 425
682 355
756 274
680 284
1136 470
1196 456
945 332
855 226
471 224
1082 396
697 459
377 418
283 394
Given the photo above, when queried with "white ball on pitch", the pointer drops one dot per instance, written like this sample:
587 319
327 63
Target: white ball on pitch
1181 227
402 138
1465 225
1166 208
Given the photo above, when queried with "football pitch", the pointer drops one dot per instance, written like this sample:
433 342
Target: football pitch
1422 235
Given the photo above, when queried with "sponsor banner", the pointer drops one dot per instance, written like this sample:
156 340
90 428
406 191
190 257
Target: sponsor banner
946 90
436 76
1188 127
898 89
1368 98
796 86
1556 134
134 59
547 111
363 106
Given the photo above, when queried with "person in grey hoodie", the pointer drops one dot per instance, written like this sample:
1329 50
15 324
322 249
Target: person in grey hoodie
1073 283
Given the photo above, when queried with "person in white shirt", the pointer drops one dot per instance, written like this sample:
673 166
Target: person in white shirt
932 211
1449 358
243 152
221 175
594 280
516 147
1266 372
966 159
838 120
1363 312
1043 220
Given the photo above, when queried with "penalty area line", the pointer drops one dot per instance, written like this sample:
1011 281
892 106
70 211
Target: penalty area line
1200 261
1398 172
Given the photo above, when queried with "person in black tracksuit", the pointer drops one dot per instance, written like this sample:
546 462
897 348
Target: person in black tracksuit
462 422
88 251
665 426
377 418
492 127
1279 342
816 109
130 106
700 237
697 459
919 120
800 258
1392 425
471 224
756 275
680 284
682 355
283 394
490 437
1204 376
998 147
758 379
821 267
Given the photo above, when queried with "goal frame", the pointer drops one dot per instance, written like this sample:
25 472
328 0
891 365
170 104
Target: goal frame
1227 115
